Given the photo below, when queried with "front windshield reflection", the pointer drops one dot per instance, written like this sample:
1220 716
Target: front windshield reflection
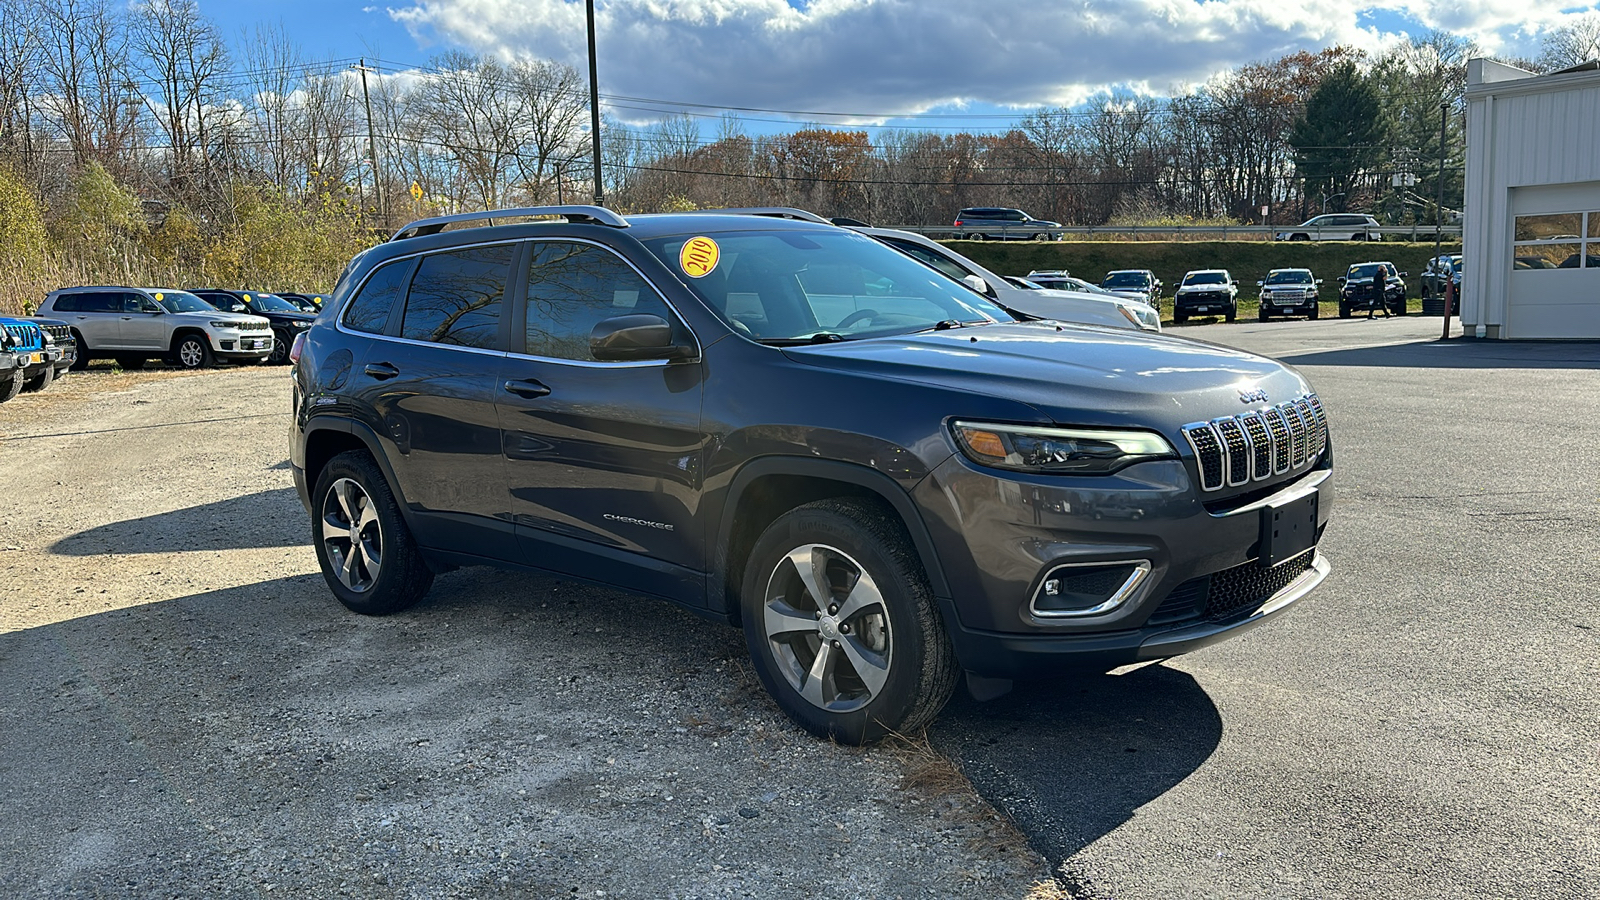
790 287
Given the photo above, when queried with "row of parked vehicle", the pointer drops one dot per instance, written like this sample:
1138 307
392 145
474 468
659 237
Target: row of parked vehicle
33 353
190 329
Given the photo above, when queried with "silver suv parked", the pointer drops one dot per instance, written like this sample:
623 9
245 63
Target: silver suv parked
1332 227
132 325
1044 302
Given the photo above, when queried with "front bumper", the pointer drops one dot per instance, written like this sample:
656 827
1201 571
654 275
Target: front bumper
254 345
998 537
1202 303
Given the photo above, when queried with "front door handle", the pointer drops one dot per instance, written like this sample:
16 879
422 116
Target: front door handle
381 371
528 388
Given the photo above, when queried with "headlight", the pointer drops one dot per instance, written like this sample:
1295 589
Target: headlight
1142 317
233 325
1058 451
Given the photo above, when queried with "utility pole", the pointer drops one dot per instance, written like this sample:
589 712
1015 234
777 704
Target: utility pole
594 108
372 137
1438 222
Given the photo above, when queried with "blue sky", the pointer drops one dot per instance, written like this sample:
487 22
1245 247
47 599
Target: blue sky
954 64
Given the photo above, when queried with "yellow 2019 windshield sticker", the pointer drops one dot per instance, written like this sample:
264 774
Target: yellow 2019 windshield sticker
699 256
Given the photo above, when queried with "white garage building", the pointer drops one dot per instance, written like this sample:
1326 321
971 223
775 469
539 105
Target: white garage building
1531 243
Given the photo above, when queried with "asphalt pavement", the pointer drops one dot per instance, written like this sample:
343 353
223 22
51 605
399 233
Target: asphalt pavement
1422 726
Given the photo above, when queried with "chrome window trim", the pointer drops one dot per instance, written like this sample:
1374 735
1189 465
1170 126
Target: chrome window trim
339 324
1135 580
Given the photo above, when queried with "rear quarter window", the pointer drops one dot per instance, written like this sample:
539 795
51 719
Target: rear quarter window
369 311
456 297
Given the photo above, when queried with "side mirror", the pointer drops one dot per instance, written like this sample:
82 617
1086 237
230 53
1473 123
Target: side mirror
1402 274
1260 283
1319 280
636 337
152 309
1341 279
978 284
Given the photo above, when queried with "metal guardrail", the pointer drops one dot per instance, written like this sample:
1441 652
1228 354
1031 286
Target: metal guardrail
1316 234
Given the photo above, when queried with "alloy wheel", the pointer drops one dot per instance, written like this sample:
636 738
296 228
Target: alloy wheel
352 534
191 354
828 628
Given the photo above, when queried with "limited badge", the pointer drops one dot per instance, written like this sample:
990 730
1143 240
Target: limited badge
699 257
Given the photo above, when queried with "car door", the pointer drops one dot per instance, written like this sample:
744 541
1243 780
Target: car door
603 458
143 325
429 386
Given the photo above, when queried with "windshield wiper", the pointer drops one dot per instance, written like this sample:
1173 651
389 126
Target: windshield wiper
821 337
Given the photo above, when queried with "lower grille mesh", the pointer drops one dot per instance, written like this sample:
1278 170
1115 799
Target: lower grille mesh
1228 593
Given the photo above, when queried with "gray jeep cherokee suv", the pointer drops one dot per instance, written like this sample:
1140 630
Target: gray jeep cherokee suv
883 478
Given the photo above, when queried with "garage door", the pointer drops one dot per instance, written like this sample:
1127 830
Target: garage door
1554 289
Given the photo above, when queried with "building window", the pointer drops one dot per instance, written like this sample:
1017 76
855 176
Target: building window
1556 241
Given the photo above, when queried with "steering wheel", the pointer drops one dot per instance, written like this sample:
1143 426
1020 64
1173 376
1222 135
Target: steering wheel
857 316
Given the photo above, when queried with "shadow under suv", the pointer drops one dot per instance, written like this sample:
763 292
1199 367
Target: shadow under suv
885 479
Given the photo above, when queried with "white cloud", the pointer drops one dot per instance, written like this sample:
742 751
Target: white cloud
906 56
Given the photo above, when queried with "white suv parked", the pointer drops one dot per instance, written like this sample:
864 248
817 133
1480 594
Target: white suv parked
1332 227
132 325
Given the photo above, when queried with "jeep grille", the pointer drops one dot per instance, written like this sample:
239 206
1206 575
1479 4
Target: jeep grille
1252 446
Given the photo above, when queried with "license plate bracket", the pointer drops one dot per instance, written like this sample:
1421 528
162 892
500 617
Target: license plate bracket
1288 529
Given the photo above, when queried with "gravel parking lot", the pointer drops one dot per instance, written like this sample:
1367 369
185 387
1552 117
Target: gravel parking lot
189 713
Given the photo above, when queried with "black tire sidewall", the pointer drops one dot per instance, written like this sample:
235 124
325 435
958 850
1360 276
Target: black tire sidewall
205 352
893 572
280 348
395 588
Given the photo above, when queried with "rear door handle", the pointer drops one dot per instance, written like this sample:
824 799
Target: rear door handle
528 388
381 371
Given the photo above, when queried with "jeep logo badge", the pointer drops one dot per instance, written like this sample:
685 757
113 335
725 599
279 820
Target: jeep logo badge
1252 396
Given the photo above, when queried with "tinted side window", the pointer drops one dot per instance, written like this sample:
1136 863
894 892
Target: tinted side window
923 254
102 303
456 297
369 311
572 288
67 303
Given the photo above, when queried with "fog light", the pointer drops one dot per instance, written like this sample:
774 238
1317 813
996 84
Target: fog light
1088 589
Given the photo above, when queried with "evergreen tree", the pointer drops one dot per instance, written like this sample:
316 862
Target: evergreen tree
1340 135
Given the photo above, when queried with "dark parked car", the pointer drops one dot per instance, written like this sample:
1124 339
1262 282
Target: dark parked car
1359 288
1288 292
287 319
1140 283
57 337
599 396
1206 292
995 223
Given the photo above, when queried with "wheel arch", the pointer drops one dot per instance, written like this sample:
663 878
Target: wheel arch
770 486
328 436
183 331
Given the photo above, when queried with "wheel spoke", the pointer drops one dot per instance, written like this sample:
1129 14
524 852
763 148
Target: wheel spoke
345 492
369 513
782 619
864 595
371 556
819 680
872 667
809 562
348 569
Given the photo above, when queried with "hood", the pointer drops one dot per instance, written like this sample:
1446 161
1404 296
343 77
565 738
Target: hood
1131 293
1074 375
1197 288
1078 307
217 315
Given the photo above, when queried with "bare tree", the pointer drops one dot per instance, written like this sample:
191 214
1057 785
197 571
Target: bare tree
84 64
1571 44
186 59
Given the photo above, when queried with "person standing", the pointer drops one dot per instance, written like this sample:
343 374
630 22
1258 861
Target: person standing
1380 291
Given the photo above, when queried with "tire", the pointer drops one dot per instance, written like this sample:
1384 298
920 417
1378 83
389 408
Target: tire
1179 318
280 349
1042 236
1231 314
10 385
131 362
82 362
1344 311
40 381
974 237
1315 311
1261 315
888 664
191 352
387 573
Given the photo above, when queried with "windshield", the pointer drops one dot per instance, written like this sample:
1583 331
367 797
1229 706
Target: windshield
272 303
1204 278
181 302
1289 278
1126 279
784 287
1366 271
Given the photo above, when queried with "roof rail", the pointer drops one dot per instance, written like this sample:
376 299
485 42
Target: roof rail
596 214
776 212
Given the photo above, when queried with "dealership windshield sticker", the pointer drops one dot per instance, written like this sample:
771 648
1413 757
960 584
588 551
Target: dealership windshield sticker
699 257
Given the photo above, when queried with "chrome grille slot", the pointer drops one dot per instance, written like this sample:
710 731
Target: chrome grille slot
1255 427
1234 450
1207 453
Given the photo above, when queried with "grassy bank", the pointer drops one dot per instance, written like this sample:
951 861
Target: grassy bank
1249 261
